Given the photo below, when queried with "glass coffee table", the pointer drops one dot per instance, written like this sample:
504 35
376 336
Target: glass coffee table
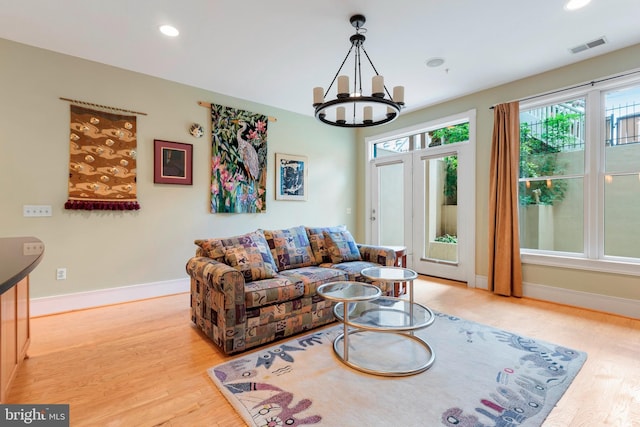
391 275
381 339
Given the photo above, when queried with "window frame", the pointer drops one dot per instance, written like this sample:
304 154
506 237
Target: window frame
593 257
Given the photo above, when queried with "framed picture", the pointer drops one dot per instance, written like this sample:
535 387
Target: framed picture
291 177
172 162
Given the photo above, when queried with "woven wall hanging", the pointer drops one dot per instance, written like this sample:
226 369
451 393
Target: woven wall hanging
102 161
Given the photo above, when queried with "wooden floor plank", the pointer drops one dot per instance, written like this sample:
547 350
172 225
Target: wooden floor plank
144 364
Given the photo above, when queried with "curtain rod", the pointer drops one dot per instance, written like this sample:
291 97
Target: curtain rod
105 107
208 105
591 83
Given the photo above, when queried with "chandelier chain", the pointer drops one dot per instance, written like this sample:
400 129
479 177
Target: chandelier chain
338 72
375 70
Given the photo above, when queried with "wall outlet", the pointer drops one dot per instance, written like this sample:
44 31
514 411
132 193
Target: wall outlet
61 274
36 210
348 211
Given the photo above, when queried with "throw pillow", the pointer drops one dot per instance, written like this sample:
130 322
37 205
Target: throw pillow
249 260
290 248
316 239
253 239
341 246
212 248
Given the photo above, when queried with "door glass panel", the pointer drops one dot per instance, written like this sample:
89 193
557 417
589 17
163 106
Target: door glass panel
440 209
390 213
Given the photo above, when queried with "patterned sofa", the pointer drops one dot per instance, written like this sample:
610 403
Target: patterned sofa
260 287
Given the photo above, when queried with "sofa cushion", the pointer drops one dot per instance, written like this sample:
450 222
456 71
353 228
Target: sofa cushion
278 320
276 290
316 239
290 248
312 277
341 246
251 260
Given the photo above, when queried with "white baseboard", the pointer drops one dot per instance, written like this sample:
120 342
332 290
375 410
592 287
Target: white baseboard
81 300
598 302
90 299
482 282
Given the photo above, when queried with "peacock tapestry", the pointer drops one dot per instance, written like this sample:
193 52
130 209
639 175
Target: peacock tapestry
238 161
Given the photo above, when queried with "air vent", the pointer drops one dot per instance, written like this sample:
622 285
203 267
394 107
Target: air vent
596 43
589 45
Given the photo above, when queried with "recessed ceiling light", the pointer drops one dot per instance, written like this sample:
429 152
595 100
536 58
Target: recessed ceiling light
434 62
576 4
169 30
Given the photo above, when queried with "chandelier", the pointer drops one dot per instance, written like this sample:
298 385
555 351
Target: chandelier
353 109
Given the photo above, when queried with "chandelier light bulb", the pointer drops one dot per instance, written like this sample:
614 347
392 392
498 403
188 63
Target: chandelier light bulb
377 86
368 114
398 94
318 95
343 86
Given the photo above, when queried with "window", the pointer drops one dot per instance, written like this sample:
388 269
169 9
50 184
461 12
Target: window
621 179
552 174
449 134
579 181
391 147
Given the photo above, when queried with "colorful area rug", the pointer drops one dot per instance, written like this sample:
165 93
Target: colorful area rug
481 377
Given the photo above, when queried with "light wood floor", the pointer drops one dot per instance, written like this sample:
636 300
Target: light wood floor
143 364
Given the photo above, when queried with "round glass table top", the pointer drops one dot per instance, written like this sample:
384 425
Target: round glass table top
348 291
390 274
386 313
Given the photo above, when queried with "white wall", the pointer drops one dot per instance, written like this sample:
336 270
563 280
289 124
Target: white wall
103 250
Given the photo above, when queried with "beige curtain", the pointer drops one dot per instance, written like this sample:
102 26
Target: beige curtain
505 268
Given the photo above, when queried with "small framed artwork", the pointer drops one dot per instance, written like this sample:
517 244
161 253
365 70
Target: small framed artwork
291 177
172 162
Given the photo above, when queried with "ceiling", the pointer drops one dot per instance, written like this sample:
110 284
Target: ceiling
275 52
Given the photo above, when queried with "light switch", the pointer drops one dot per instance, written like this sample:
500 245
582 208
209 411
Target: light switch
36 210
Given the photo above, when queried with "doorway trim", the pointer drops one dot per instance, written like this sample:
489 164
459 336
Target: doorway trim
468 251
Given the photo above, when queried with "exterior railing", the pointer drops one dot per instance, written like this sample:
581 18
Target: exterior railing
622 125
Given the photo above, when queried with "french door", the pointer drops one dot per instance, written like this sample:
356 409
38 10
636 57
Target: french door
391 211
444 239
424 199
